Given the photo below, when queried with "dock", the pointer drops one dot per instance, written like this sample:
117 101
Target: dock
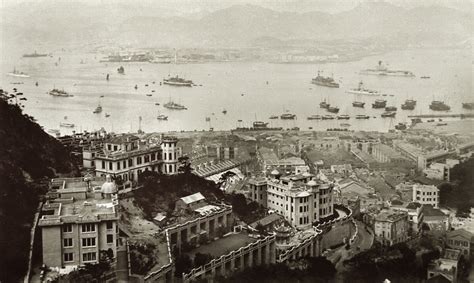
462 116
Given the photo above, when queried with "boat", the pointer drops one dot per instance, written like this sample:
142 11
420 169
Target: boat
121 70
405 106
379 103
174 106
345 125
34 55
273 117
66 125
177 81
333 109
18 74
441 124
410 102
328 117
98 109
149 94
362 90
390 108
425 77
401 126
59 93
259 125
314 117
107 115
162 117
324 81
127 58
324 104
468 105
287 116
157 104
382 70
362 117
224 111
439 106
343 117
388 114
358 104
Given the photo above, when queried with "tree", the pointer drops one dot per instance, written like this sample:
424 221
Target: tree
321 266
184 165
260 228
201 259
183 264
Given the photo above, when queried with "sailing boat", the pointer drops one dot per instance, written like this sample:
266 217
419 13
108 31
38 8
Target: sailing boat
18 74
98 109
161 117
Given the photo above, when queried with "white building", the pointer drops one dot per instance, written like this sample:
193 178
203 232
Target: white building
426 194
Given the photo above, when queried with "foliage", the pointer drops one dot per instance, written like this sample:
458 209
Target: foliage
183 263
247 211
90 272
142 258
201 259
184 165
459 193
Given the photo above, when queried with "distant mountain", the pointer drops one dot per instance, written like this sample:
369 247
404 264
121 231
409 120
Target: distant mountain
241 25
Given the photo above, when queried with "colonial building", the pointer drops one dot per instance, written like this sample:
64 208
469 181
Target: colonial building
79 221
426 194
461 240
300 199
126 156
391 227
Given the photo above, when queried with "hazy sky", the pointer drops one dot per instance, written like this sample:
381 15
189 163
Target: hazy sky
180 7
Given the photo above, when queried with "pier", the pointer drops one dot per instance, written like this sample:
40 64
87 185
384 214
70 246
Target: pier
462 116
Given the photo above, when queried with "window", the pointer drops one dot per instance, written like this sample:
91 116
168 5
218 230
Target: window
130 162
139 160
147 158
68 257
88 256
103 164
110 165
124 164
170 156
110 239
88 242
118 165
153 156
89 227
67 242
67 228
110 225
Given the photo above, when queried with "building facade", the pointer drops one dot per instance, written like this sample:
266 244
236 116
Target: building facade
426 194
391 227
461 240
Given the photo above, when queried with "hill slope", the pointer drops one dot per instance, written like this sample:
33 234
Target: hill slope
28 156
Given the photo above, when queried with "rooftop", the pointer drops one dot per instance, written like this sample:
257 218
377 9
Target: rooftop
192 198
390 216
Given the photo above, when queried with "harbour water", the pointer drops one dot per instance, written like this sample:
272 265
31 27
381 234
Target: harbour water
249 91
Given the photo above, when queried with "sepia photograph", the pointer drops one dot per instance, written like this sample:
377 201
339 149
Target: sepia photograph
241 141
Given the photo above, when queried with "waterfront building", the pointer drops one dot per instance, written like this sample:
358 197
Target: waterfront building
391 227
300 199
78 222
426 194
125 157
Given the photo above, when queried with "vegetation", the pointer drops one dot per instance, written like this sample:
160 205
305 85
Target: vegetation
459 193
91 272
142 258
311 269
28 158
247 211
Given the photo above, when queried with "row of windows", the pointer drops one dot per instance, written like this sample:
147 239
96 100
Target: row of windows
458 243
427 193
69 257
87 242
129 162
304 220
87 227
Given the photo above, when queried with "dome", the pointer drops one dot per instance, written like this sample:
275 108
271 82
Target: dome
312 183
108 187
275 172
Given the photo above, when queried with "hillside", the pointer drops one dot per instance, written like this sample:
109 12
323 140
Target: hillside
28 157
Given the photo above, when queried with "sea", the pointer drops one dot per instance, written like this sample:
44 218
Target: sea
247 91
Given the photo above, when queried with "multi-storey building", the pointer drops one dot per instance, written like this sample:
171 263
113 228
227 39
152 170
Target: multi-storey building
391 227
79 222
462 240
300 199
125 157
426 194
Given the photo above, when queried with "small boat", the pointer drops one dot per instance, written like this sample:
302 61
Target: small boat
333 109
388 114
98 109
177 81
324 104
208 119
439 106
146 85
59 93
16 73
314 117
136 86
66 125
107 115
149 94
53 131
107 77
224 111
287 116
401 126
343 117
390 108
157 103
345 125
121 70
406 106
442 124
273 117
152 90
328 117
358 104
425 77
362 117
162 117
174 106
379 103
36 84
468 105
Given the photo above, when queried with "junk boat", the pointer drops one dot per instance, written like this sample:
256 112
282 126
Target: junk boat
333 109
343 117
358 104
362 117
324 104
390 108
174 106
314 117
324 81
287 116
328 117
468 105
401 126
98 109
379 103
177 81
162 117
388 114
59 92
362 90
382 70
439 106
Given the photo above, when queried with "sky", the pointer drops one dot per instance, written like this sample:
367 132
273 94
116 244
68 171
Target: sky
183 7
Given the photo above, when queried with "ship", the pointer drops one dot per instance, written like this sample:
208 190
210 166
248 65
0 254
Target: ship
16 73
379 103
362 90
333 109
34 55
314 117
358 104
328 117
59 93
287 116
468 105
388 114
382 70
324 104
127 58
177 81
121 70
259 125
66 125
439 106
324 81
425 77
162 117
362 117
98 109
174 106
273 117
343 117
390 108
